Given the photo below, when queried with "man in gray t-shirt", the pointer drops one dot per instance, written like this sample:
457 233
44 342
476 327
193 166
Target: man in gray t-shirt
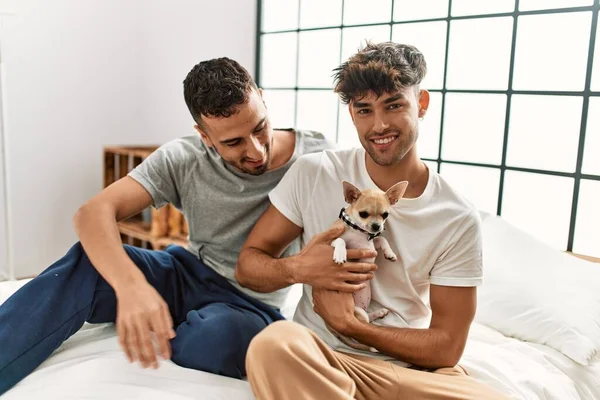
220 202
188 299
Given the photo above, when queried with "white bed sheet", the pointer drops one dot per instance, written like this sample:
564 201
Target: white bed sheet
90 365
528 370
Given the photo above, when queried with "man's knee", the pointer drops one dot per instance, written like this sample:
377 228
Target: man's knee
278 341
215 342
78 259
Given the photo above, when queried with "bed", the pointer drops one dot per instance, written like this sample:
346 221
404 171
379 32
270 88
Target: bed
523 341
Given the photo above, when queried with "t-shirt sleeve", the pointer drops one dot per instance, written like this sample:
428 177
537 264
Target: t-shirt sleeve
315 142
461 262
158 174
292 194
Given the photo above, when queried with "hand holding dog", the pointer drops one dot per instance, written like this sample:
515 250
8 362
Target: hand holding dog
315 265
336 309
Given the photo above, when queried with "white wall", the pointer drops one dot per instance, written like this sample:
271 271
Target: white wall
4 269
81 74
177 39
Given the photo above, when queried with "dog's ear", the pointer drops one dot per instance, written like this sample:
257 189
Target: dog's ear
396 192
351 193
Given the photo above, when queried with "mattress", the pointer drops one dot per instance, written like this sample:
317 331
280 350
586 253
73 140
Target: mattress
91 365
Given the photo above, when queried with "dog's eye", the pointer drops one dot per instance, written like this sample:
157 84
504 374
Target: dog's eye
363 214
385 215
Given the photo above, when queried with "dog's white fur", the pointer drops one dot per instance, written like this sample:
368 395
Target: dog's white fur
377 204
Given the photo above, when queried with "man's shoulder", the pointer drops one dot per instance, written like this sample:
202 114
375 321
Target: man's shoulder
183 149
450 192
188 143
329 158
454 200
313 142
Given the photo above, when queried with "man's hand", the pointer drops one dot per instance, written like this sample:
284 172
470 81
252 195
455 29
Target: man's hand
336 308
141 311
315 265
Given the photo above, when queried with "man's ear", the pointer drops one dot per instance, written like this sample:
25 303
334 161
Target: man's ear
204 136
423 102
260 94
351 193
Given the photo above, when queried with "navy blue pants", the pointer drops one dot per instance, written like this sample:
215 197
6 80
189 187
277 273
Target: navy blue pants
213 320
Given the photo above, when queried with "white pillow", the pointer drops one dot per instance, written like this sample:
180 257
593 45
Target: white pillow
539 294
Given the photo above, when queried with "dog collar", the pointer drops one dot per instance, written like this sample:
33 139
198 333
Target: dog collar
346 218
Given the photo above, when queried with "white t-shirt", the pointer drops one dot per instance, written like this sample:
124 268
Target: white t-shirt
437 238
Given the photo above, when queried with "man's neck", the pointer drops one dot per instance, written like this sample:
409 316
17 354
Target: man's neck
410 169
284 144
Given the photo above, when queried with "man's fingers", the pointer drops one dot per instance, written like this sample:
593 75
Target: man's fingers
356 254
131 341
162 331
169 321
144 342
332 233
123 332
351 287
356 278
360 267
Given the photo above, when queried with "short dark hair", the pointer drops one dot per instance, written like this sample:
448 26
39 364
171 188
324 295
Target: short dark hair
382 68
216 88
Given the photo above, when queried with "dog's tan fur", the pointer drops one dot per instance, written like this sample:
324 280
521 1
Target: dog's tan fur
377 205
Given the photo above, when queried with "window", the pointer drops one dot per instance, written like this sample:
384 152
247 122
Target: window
523 95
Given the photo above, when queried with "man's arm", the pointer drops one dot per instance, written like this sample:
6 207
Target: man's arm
140 308
441 345
259 267
96 226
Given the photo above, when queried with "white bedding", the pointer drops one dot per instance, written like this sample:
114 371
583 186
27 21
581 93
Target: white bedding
90 365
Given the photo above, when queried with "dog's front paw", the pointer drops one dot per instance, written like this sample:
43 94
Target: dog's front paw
339 254
389 255
375 315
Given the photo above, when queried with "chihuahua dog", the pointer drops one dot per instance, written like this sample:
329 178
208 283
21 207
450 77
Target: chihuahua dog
364 221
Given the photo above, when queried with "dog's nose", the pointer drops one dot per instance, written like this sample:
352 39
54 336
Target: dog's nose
375 226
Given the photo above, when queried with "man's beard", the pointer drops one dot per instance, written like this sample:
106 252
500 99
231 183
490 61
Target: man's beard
398 149
259 170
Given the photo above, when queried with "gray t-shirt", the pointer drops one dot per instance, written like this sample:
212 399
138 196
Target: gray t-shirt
220 203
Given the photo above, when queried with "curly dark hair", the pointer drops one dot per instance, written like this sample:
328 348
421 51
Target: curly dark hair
216 88
382 68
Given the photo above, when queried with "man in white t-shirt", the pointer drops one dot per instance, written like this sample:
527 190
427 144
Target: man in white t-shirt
430 291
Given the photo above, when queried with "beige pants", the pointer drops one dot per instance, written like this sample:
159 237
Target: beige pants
288 361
